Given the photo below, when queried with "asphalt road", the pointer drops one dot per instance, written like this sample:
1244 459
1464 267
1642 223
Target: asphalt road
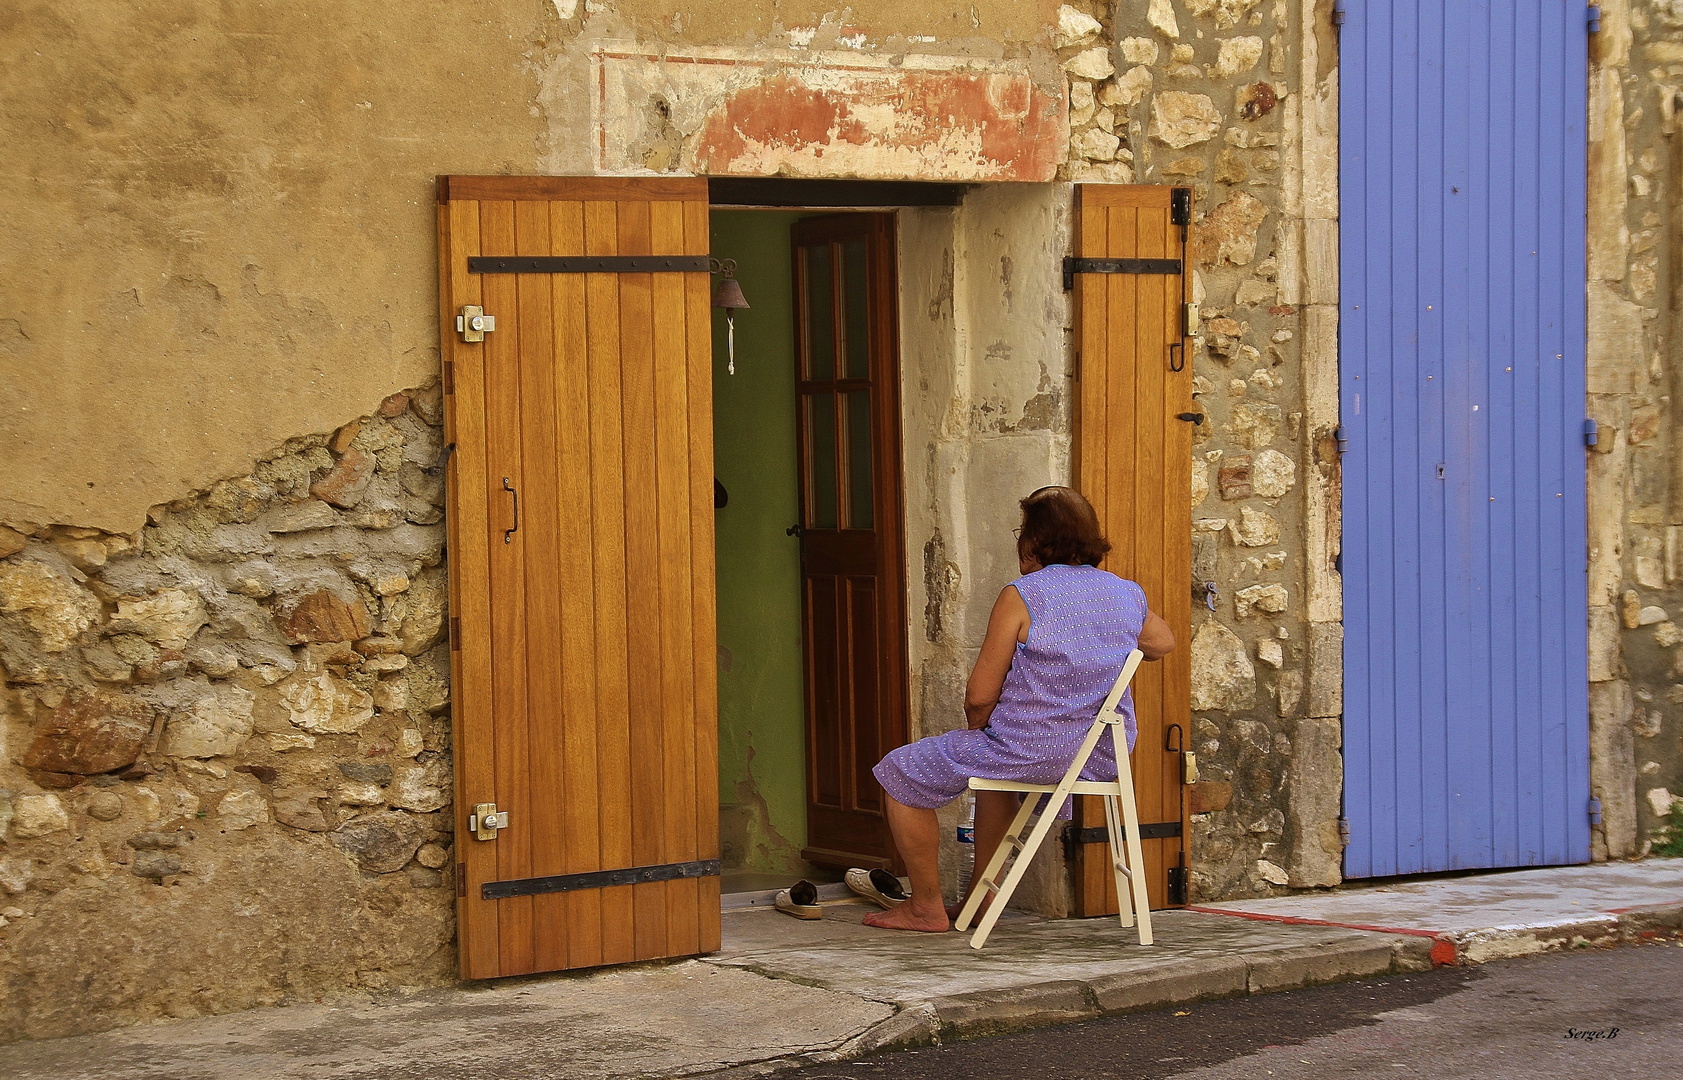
1514 1018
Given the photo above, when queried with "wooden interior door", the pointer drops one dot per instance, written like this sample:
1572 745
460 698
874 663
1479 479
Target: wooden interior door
1134 463
852 564
581 569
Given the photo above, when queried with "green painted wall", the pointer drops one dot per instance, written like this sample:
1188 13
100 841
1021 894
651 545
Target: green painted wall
762 750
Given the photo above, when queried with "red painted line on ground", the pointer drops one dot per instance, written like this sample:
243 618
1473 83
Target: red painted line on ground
1642 907
1444 951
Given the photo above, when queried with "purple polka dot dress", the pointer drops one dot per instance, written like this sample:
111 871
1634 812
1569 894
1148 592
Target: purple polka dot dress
1083 624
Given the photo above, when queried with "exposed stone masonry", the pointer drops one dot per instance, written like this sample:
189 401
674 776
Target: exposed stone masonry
1197 93
1636 396
229 733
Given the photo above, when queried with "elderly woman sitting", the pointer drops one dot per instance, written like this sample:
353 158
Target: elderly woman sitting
1056 640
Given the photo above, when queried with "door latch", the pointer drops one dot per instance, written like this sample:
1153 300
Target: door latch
473 324
1189 768
484 822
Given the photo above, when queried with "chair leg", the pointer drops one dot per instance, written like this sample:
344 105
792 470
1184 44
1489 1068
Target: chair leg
1019 865
978 890
1131 819
1113 831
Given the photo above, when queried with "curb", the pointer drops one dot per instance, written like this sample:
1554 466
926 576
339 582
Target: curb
1607 928
981 1013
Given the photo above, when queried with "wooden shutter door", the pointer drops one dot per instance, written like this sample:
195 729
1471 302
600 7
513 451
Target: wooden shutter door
581 569
1134 462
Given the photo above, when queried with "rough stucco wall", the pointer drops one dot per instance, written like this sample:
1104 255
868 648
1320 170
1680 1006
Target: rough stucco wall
221 228
1636 396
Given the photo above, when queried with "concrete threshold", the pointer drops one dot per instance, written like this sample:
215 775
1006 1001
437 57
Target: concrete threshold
784 993
1497 915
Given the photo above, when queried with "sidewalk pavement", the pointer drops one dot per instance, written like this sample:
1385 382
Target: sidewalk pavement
784 993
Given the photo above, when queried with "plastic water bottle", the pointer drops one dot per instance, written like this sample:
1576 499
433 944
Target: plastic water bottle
966 846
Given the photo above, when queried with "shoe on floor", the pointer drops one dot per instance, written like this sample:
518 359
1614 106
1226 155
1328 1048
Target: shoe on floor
800 900
878 885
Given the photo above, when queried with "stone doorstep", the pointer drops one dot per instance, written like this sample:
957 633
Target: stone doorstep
983 1013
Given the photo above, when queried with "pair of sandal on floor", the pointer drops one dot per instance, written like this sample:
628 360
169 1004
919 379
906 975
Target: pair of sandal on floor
879 886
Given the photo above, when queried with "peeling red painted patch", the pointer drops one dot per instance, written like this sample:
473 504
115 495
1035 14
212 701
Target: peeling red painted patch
935 125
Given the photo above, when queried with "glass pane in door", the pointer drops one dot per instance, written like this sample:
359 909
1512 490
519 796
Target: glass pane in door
821 460
818 305
856 328
860 494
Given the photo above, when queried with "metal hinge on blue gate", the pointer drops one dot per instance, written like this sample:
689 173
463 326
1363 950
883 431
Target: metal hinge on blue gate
1592 433
1593 13
1595 810
1338 13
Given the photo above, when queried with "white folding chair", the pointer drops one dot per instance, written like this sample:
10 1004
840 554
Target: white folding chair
1119 809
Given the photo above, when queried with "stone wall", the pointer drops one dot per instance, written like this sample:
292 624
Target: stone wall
224 741
1636 397
1237 99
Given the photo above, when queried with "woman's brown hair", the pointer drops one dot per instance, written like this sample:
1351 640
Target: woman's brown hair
1060 526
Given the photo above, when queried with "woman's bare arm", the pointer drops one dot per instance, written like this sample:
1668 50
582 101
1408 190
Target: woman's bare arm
1156 639
1008 625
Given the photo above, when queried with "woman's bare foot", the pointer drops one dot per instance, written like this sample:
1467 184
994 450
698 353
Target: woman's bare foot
910 916
954 910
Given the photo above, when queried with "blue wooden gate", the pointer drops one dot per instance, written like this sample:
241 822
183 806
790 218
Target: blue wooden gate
1462 184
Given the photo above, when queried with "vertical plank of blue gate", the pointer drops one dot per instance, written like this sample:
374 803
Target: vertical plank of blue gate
1556 482
1353 256
1398 388
1573 787
1387 413
1491 625
1434 675
1367 468
1499 196
1457 250
1367 392
1526 89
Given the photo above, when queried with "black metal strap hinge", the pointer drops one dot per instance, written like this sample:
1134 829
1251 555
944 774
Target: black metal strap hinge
588 264
1074 266
599 879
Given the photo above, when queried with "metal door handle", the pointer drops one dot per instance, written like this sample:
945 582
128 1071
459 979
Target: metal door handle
793 530
508 534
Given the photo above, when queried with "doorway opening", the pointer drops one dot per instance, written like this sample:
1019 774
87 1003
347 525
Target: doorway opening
810 564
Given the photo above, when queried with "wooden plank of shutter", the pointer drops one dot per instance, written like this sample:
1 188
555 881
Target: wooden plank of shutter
704 599
1133 461
583 909
470 596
